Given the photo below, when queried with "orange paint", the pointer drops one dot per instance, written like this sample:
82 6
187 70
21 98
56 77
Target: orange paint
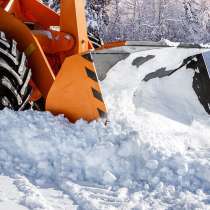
75 90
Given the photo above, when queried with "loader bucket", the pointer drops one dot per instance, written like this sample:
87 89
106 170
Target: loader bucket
76 91
154 60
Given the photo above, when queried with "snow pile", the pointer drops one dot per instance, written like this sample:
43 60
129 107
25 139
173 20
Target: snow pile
50 152
154 153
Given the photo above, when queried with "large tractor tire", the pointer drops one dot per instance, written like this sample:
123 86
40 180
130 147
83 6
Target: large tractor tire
14 76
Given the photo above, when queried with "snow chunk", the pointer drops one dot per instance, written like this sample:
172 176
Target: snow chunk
152 164
109 178
171 44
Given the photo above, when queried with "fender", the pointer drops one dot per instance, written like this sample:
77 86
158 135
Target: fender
43 75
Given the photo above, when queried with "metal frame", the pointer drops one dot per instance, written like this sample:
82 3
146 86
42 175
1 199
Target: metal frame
72 91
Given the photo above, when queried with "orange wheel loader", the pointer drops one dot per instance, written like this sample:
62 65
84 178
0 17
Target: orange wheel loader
48 58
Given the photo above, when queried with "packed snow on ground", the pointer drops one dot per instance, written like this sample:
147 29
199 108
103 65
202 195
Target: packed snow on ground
153 154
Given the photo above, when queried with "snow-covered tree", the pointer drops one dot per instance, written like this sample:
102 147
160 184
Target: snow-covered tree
97 16
180 20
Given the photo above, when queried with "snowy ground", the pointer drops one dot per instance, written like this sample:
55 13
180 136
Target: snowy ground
154 153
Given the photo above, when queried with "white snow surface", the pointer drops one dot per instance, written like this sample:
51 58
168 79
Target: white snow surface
153 154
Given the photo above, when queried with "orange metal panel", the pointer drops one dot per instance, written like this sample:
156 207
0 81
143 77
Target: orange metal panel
3 3
112 45
36 94
76 91
54 41
43 76
35 11
16 10
73 21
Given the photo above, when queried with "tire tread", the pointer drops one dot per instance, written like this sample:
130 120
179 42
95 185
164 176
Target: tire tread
14 75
